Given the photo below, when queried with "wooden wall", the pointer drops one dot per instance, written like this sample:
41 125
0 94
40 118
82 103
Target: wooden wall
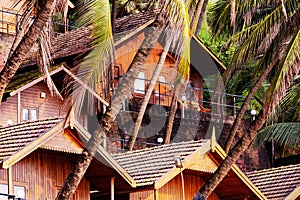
43 173
30 98
126 52
173 190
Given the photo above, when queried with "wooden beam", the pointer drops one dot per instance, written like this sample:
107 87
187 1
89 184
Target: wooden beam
240 174
215 58
10 182
19 108
24 87
186 163
7 163
112 188
86 87
128 36
101 154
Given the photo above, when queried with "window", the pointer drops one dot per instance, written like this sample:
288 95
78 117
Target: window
33 114
25 114
19 191
139 83
29 114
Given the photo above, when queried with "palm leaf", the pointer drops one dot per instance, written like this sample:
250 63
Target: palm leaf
283 133
94 67
287 69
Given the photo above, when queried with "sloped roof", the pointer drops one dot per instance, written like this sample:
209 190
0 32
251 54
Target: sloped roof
15 138
146 166
78 41
277 183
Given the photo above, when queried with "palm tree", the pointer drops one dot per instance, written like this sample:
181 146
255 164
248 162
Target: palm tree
277 38
284 124
201 17
23 47
125 84
147 97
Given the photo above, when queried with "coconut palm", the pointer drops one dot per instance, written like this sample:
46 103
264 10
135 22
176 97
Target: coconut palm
274 41
284 124
24 41
167 14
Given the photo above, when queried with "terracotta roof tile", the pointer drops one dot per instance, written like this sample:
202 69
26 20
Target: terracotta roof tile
16 137
276 183
146 166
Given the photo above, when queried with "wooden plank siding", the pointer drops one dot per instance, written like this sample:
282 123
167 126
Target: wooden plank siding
8 110
30 98
173 190
43 172
125 54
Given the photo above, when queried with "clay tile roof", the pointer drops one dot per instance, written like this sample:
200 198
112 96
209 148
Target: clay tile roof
14 138
78 40
131 22
276 183
67 44
146 166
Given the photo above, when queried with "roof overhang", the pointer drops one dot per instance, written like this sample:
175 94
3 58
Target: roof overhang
293 195
103 156
210 147
7 163
221 153
205 148
37 80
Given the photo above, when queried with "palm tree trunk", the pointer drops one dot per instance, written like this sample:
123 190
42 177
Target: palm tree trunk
121 94
240 115
171 116
248 137
197 15
199 26
15 60
114 15
154 78
233 155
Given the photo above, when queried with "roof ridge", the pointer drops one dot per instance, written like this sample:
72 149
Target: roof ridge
161 146
120 19
273 169
6 128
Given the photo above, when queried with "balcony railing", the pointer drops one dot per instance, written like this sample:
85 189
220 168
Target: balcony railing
10 22
197 99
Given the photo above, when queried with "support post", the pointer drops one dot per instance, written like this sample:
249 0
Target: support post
9 182
19 108
112 188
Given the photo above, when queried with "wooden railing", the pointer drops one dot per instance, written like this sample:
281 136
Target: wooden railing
9 20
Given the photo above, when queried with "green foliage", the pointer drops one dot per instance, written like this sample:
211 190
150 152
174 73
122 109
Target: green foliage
216 44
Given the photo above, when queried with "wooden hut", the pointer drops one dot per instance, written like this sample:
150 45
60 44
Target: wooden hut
36 157
177 171
27 98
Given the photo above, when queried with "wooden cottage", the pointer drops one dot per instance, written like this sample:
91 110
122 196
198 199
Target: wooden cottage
177 171
36 157
27 98
278 183
130 31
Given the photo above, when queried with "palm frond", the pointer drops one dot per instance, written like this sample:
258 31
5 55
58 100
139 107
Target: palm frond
283 133
259 37
288 68
92 70
177 14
